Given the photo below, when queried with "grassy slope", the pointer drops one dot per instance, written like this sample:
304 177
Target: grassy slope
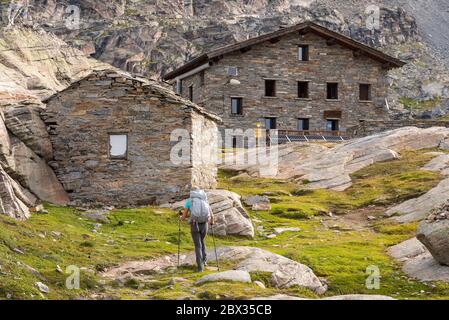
133 234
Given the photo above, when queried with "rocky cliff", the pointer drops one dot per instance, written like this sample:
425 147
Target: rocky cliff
33 65
151 37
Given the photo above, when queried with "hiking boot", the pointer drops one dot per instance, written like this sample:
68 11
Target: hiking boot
199 269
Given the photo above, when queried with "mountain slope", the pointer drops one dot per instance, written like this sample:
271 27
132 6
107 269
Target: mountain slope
152 37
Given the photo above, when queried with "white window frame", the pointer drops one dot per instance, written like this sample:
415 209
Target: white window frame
233 74
123 156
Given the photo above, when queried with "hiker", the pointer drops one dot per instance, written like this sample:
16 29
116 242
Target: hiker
198 211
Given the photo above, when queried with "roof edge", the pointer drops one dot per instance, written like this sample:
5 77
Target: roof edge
376 54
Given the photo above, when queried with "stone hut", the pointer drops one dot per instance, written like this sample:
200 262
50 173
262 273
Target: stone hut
300 78
115 141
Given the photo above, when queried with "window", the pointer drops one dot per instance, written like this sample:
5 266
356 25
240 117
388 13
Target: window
179 87
303 53
202 78
191 93
270 88
332 91
333 125
237 106
303 124
270 123
232 71
303 89
365 92
118 146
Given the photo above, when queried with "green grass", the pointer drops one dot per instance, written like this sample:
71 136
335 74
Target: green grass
342 257
419 105
382 183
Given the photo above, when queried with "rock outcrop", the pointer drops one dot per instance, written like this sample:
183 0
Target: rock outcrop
434 233
230 275
24 122
417 261
285 273
33 65
154 37
417 209
13 200
230 216
330 168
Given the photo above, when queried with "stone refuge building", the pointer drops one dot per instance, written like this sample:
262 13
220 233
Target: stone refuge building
111 138
303 77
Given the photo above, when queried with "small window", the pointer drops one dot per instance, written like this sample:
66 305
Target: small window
333 125
303 89
303 53
270 88
191 93
237 106
270 123
332 91
365 92
118 146
232 71
179 87
202 78
303 124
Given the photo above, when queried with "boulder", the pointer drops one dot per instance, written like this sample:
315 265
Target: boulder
258 203
28 170
42 287
33 173
231 275
278 231
417 261
438 164
285 273
25 123
435 236
417 209
10 203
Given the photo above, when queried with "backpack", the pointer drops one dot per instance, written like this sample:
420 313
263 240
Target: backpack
199 207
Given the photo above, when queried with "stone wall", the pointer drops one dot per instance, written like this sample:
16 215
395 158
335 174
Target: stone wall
204 152
279 61
80 120
370 127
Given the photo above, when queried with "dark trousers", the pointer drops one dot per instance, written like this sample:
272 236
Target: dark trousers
199 232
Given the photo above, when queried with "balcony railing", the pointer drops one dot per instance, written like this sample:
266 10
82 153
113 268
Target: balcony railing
284 136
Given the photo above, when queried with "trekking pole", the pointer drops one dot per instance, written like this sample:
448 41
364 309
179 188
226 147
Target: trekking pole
179 238
215 247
